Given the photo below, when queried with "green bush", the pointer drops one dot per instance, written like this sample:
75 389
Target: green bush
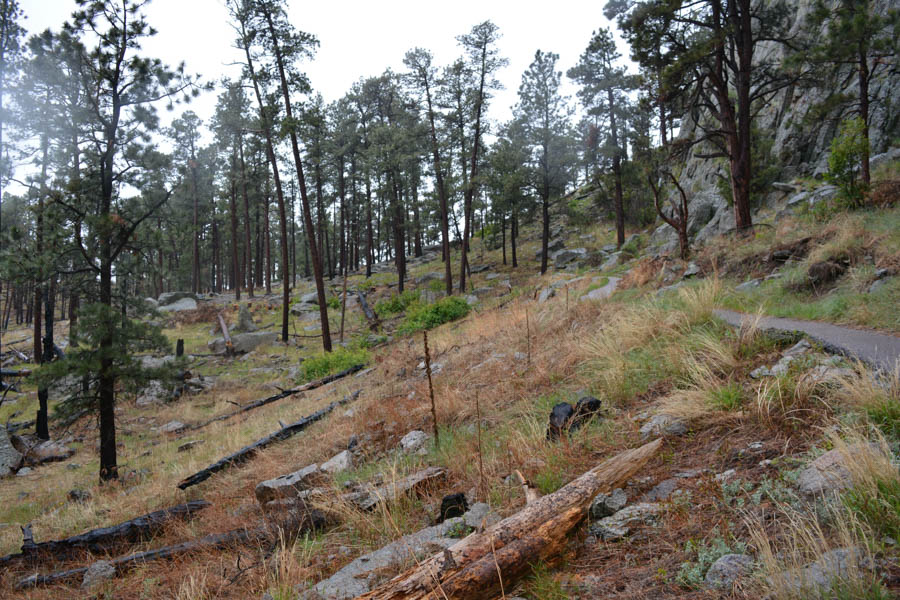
333 302
329 363
428 316
847 151
879 508
396 304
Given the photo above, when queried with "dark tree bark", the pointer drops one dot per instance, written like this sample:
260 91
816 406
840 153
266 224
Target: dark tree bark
248 247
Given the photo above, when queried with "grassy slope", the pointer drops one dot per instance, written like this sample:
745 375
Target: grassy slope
637 353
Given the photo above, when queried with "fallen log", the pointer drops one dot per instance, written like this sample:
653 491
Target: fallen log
102 539
283 394
247 452
371 317
483 565
229 347
296 523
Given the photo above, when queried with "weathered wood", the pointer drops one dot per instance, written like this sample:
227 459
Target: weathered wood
229 347
295 523
532 494
283 394
247 452
371 317
477 566
103 538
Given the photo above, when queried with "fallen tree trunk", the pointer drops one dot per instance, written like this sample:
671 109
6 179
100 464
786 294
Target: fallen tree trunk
247 452
371 317
229 347
483 565
284 394
104 538
287 529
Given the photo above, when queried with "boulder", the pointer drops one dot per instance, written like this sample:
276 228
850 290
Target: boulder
337 463
613 260
288 486
663 425
471 300
37 452
428 277
727 569
545 295
413 441
661 491
151 302
828 473
816 579
564 257
153 393
605 505
492 276
691 271
98 572
180 305
173 297
619 524
245 320
10 458
748 285
172 427
243 342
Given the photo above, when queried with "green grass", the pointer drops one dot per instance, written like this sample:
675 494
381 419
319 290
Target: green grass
328 363
704 553
541 585
884 413
727 397
397 303
429 316
879 510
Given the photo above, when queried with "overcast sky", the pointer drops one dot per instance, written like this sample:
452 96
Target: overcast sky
360 38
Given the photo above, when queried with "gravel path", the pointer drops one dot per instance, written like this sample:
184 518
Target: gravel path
878 350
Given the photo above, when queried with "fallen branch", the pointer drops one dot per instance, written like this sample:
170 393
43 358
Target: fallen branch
247 452
283 394
296 523
480 565
104 538
371 317
532 494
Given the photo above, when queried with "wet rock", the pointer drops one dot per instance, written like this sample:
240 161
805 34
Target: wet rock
452 506
619 525
98 572
413 441
605 505
337 463
727 569
663 425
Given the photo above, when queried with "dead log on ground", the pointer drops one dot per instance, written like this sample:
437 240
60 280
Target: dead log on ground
229 347
483 565
284 394
247 452
287 529
371 317
102 539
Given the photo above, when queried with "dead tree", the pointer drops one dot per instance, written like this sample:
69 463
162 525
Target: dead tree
679 218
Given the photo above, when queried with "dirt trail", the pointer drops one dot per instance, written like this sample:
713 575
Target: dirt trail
878 350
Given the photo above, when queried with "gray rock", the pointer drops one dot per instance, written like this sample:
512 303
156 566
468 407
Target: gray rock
479 268
661 491
613 260
37 452
337 463
10 458
605 505
153 393
787 188
619 525
172 427
173 297
23 472
760 372
151 302
482 292
180 305
78 495
668 288
609 248
492 276
801 347
828 473
243 342
366 572
413 441
884 158
288 486
428 277
727 569
564 257
471 300
877 285
604 292
663 425
691 271
245 320
546 294
748 285
98 572
817 578
189 445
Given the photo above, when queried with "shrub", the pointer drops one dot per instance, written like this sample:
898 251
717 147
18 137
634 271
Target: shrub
429 316
329 363
333 302
847 151
396 304
727 397
692 573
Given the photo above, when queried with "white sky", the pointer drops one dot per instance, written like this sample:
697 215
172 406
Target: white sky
361 38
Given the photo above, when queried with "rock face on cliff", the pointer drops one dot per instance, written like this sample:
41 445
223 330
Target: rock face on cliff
799 144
